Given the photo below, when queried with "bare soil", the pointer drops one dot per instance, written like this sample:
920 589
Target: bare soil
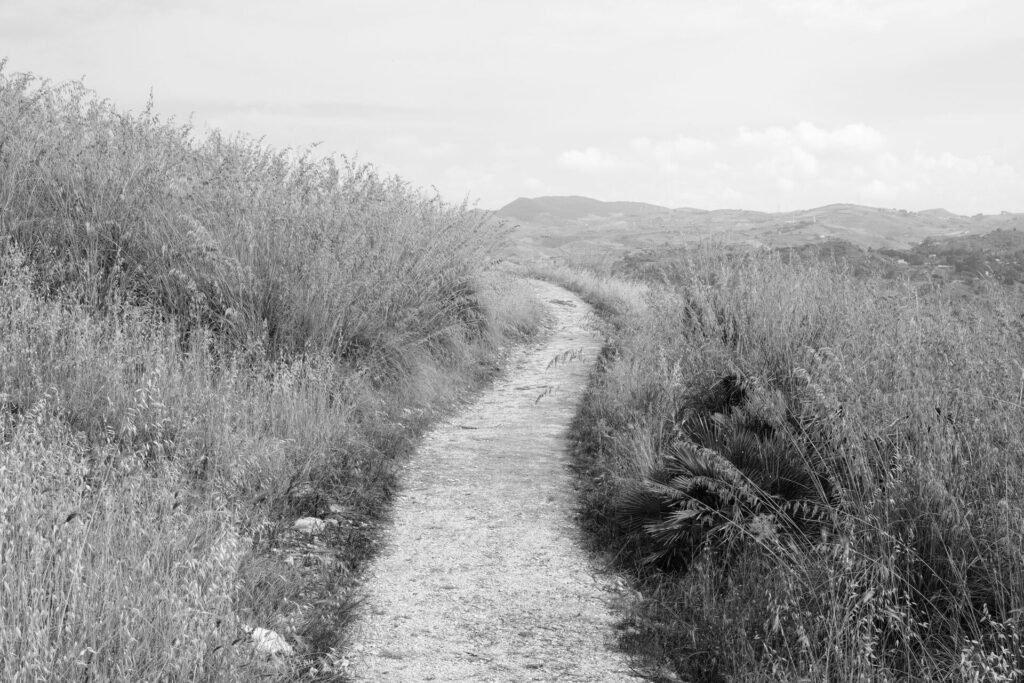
484 576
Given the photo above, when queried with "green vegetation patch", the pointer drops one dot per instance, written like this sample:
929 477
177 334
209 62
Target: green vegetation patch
813 475
202 340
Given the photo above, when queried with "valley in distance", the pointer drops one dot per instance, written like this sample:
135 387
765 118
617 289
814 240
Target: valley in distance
943 243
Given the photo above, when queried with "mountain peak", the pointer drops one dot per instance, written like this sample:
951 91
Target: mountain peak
572 207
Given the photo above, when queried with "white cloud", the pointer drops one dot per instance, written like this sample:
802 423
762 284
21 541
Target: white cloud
440 102
670 156
855 137
787 185
642 144
877 188
591 159
787 168
977 183
673 148
806 162
533 185
773 136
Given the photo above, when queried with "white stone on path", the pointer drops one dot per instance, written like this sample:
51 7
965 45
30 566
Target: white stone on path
270 643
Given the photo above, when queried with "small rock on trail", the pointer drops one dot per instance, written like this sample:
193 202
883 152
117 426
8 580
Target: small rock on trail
484 577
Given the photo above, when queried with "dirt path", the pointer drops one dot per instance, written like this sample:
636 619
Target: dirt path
484 578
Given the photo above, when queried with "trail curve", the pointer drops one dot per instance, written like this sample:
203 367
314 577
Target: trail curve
483 577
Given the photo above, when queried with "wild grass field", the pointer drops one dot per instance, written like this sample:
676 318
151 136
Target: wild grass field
812 475
203 339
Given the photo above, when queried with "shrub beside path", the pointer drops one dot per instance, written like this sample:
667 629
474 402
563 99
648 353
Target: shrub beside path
484 577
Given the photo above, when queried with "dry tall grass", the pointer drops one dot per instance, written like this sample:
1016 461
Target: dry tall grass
200 341
612 295
815 476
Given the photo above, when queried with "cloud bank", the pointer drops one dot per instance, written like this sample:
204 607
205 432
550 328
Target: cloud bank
788 167
710 103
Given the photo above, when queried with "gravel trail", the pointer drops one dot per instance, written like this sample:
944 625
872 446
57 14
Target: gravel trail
484 577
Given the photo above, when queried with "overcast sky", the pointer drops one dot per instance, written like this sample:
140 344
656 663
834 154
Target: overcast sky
758 104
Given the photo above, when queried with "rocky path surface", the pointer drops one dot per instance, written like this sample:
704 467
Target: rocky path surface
484 578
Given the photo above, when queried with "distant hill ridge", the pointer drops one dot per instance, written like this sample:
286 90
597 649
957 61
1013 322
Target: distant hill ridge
572 207
576 207
578 225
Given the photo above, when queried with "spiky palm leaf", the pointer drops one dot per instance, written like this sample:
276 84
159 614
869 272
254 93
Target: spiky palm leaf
713 485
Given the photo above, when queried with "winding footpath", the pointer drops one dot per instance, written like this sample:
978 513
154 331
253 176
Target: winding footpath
484 577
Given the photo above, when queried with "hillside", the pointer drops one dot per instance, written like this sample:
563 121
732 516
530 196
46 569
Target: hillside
214 358
553 226
998 254
569 208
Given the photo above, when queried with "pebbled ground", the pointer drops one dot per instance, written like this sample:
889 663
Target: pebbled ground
484 577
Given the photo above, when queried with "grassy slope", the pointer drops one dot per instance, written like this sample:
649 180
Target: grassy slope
813 476
200 341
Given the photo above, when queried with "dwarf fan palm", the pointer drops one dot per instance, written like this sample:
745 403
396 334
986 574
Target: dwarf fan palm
726 475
